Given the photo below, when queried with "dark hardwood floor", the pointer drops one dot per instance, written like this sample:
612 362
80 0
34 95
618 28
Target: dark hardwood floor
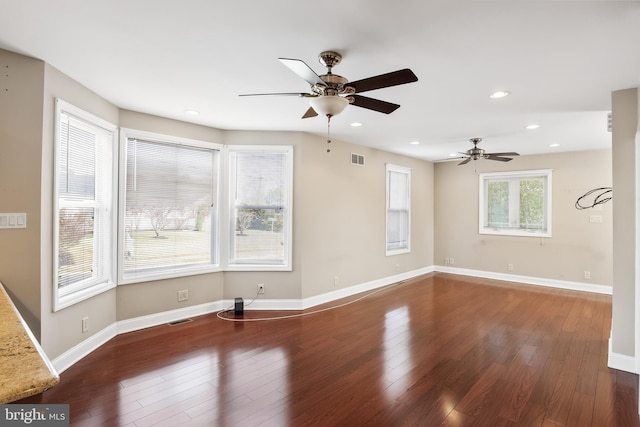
439 350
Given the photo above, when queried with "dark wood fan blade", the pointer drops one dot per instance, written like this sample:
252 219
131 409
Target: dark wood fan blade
503 154
498 158
302 95
303 70
374 104
309 113
394 78
465 161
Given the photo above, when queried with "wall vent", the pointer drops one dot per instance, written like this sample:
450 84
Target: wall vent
357 159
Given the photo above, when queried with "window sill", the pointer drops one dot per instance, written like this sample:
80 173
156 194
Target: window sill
81 295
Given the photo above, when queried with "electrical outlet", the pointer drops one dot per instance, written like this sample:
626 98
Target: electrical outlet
336 280
451 261
85 324
587 275
183 295
260 288
510 267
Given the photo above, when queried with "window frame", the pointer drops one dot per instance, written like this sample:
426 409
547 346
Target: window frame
404 170
484 178
287 264
179 271
106 247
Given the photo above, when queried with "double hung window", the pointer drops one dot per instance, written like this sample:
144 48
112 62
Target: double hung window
84 218
398 205
260 190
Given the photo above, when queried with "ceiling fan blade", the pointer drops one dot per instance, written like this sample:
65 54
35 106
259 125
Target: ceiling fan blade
310 113
498 158
302 95
374 104
303 70
393 78
503 154
465 161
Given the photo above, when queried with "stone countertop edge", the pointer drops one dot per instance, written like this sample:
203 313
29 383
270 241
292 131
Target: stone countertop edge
25 369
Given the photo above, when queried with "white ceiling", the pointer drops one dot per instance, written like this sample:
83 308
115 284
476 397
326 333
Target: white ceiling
559 59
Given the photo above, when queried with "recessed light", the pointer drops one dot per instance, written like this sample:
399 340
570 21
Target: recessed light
415 143
356 124
532 126
453 154
554 145
499 94
191 112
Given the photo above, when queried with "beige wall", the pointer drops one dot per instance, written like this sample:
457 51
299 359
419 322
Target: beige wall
21 86
62 330
576 245
343 216
625 130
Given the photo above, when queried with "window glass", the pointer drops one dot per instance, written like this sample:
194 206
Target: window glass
260 206
84 220
398 206
516 203
170 196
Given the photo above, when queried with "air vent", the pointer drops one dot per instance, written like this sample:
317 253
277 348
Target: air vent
179 322
609 122
357 159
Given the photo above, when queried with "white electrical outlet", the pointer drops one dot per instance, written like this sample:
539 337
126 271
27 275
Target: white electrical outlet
183 295
85 324
260 288
510 267
451 261
587 275
336 280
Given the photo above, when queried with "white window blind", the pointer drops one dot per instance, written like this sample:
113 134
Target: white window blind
169 208
84 214
260 206
398 205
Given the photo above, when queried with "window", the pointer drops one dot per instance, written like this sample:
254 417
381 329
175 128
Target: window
84 205
516 203
169 204
398 203
260 187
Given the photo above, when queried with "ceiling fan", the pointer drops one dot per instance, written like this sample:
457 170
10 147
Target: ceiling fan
330 93
476 153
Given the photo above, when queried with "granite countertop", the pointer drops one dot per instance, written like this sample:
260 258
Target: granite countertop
24 368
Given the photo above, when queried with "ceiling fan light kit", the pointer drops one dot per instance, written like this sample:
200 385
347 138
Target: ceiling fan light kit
331 93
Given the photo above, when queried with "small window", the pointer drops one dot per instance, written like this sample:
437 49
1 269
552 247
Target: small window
516 203
260 192
84 215
398 205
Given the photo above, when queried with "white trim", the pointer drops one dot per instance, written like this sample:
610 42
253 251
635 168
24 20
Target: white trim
529 280
82 349
514 207
156 319
73 355
621 362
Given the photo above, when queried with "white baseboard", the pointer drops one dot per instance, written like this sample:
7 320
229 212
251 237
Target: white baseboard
73 355
79 351
76 353
621 362
156 319
363 287
538 281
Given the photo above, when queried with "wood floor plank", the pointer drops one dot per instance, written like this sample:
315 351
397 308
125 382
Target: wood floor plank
439 350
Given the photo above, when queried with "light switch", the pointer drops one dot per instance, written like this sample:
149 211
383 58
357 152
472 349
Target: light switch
13 220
